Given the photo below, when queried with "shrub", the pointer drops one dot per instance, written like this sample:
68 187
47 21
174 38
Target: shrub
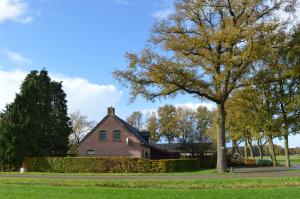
208 161
264 163
102 165
250 162
178 165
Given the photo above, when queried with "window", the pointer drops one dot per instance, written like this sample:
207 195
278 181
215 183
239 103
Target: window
117 136
90 152
102 136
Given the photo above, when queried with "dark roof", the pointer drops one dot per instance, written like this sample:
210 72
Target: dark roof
145 133
185 148
138 134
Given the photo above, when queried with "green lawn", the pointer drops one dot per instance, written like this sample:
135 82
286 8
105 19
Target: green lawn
295 159
284 187
37 191
187 173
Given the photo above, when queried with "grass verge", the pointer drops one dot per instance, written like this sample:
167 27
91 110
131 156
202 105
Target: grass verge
32 192
240 183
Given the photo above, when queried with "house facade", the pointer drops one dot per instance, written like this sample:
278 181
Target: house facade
113 137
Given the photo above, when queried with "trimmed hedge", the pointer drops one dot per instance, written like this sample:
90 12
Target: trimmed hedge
264 163
8 167
107 165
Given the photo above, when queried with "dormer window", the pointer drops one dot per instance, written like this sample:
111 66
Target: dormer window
117 136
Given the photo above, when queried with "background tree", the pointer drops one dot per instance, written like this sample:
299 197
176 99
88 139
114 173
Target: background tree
210 46
192 126
80 127
36 123
204 119
285 91
153 127
168 122
187 126
136 119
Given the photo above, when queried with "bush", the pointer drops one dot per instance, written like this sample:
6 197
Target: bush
103 165
264 163
4 167
208 161
249 162
165 166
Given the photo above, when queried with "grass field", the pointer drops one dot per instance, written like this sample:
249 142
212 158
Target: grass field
187 173
295 159
38 192
288 187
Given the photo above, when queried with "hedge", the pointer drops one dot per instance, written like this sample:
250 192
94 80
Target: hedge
107 165
249 162
264 163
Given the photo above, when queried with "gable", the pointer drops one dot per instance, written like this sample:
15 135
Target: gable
110 124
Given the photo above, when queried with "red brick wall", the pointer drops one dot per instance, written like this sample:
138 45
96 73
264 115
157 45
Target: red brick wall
109 148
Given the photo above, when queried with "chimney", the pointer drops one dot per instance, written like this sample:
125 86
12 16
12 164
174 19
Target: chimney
111 111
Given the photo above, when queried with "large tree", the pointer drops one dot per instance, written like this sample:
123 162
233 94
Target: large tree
207 48
36 123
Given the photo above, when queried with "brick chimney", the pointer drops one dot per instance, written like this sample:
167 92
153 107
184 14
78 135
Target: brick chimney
111 111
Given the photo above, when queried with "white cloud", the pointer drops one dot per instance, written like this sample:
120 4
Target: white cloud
293 18
15 10
162 14
89 98
16 57
121 2
209 105
164 8
9 85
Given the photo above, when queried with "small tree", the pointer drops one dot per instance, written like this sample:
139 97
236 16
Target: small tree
136 119
168 122
153 127
80 127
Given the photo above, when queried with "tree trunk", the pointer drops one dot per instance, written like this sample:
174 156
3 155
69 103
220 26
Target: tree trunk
250 147
245 148
221 140
234 147
260 149
193 150
286 151
272 151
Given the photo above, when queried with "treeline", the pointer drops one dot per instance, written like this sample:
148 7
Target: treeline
264 111
171 124
36 123
279 150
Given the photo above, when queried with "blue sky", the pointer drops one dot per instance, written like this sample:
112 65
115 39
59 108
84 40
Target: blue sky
79 42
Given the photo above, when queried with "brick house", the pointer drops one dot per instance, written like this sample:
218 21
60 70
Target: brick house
113 137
